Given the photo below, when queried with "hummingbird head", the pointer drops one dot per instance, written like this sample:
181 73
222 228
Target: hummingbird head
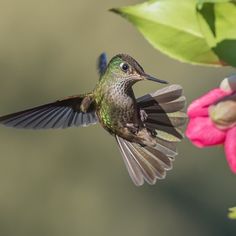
123 68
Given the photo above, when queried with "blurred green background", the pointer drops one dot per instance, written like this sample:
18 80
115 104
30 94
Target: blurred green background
74 182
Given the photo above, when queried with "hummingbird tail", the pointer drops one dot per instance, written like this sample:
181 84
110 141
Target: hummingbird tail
143 162
163 113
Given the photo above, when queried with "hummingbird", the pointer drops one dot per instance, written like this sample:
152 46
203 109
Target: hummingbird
146 129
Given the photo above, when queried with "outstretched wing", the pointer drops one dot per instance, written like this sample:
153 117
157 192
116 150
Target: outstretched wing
163 112
102 63
60 114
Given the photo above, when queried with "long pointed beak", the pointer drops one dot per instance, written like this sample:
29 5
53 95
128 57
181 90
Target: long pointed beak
149 77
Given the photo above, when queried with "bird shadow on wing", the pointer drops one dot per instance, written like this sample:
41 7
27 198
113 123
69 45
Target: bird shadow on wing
164 115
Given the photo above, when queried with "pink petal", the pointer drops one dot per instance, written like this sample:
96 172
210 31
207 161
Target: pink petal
202 132
230 148
199 107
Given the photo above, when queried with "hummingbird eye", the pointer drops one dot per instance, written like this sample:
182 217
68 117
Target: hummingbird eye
124 67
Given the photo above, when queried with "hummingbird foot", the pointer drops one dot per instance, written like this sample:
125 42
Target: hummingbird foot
133 128
145 137
143 115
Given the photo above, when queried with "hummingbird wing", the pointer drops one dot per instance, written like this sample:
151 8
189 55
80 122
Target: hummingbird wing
102 63
163 113
143 162
60 114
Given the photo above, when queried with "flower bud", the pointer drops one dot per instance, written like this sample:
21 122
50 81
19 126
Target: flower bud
223 114
229 83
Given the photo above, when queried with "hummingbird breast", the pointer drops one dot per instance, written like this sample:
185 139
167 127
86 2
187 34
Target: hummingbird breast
116 108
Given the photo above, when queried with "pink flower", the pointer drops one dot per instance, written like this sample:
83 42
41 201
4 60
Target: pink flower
213 120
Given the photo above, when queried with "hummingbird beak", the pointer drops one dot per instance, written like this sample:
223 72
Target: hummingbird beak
149 77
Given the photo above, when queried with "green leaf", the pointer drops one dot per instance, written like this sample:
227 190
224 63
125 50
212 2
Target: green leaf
232 213
172 27
218 20
201 2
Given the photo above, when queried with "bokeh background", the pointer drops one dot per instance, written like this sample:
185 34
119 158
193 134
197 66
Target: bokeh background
74 182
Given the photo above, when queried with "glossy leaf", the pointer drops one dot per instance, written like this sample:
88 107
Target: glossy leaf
232 213
172 27
201 2
217 20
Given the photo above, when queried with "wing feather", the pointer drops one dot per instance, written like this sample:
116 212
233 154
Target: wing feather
164 115
60 114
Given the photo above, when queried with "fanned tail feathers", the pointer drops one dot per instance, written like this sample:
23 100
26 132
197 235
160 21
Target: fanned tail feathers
144 163
164 118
